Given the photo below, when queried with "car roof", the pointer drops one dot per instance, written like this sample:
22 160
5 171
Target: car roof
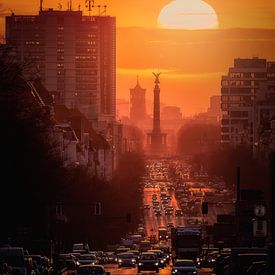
91 265
125 253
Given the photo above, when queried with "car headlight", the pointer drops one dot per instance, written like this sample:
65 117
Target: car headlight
93 263
174 271
120 261
156 263
133 260
139 264
194 272
162 261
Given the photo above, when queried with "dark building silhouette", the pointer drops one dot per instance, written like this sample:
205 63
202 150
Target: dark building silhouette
137 104
75 56
156 140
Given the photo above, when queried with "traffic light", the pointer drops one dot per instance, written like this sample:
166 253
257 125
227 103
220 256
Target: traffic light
97 209
204 207
128 218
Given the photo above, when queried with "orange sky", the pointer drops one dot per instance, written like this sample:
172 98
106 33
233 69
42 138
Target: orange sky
192 61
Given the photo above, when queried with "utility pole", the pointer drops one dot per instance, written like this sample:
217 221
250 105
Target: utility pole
271 247
238 198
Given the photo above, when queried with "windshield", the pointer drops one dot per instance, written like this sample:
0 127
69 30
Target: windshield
184 263
125 256
188 241
148 257
88 257
14 261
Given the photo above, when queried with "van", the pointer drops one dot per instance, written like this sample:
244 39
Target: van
14 257
80 248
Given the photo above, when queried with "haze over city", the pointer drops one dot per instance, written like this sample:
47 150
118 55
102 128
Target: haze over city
137 136
192 62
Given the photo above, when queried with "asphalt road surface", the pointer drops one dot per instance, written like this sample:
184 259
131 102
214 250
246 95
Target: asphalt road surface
127 270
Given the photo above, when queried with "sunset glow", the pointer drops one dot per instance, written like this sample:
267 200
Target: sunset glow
203 43
189 14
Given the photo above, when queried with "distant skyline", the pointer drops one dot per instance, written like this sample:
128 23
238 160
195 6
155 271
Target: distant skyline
192 62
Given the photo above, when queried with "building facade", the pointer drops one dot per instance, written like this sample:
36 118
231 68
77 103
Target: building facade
247 101
74 56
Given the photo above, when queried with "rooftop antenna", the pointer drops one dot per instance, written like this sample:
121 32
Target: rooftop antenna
12 12
105 10
89 5
41 5
79 6
59 6
99 6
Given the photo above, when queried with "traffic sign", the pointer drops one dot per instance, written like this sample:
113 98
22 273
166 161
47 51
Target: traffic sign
259 210
259 228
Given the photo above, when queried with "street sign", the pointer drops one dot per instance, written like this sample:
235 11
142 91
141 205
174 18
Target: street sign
259 210
97 209
259 228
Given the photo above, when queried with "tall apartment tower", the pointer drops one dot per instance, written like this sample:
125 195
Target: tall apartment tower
247 101
137 104
75 56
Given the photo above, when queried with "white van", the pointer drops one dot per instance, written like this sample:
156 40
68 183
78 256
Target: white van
14 257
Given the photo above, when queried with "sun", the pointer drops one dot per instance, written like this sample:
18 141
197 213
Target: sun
189 15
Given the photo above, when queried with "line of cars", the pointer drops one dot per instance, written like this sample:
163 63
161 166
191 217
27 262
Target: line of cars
16 260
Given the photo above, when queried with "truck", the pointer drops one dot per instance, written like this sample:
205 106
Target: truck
186 242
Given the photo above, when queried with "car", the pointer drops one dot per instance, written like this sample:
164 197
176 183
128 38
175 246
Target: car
80 248
161 257
184 266
170 225
88 258
135 252
92 270
178 212
126 259
111 257
148 262
14 257
153 239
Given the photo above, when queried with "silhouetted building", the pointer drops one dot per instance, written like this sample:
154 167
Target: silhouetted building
75 55
214 111
248 101
171 113
123 107
137 104
156 140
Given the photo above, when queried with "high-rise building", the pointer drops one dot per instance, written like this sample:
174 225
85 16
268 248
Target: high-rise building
137 104
248 101
75 57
